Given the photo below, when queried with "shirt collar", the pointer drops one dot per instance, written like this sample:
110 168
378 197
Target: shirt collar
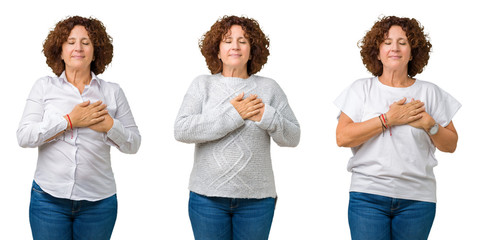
94 78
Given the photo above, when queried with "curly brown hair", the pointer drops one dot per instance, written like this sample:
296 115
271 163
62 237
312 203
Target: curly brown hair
209 43
102 43
418 40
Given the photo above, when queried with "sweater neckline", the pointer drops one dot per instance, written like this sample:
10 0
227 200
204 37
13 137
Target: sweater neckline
234 81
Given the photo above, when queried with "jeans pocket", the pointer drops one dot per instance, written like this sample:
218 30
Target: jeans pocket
37 188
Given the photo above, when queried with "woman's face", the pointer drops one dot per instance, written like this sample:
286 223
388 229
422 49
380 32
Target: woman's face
77 51
234 49
395 51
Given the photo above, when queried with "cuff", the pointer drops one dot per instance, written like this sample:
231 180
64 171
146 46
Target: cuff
115 134
267 118
236 118
58 124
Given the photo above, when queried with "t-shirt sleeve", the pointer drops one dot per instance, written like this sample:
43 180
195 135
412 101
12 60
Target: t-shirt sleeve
351 102
444 108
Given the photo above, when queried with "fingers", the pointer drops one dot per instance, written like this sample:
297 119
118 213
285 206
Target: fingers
252 97
399 102
254 102
401 112
99 108
252 113
247 107
415 107
86 114
420 110
84 104
415 118
100 113
256 106
97 120
402 101
95 104
239 97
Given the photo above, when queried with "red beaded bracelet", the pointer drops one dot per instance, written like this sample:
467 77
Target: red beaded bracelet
71 125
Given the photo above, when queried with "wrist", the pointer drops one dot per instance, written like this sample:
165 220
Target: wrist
389 122
69 124
385 124
433 129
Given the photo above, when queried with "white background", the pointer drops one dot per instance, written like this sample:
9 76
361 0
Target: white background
314 56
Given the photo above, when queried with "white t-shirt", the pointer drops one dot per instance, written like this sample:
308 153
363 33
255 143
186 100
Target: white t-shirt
398 165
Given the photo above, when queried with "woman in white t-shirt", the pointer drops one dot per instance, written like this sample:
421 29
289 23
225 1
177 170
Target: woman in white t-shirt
393 123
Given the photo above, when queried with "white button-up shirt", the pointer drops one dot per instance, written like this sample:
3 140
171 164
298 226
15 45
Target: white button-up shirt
75 165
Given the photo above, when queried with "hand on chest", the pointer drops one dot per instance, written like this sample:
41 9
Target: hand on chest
63 100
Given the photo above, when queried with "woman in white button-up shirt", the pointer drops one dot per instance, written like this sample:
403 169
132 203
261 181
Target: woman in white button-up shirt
74 118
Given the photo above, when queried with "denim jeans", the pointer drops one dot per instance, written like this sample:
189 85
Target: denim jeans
383 218
230 218
64 219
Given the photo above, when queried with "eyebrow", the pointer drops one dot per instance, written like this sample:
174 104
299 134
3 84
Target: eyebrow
398 39
229 37
73 38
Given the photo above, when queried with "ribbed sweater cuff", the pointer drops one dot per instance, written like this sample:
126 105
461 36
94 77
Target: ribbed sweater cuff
231 112
267 118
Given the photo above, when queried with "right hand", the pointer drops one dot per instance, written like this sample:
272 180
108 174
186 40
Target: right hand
247 107
401 113
86 114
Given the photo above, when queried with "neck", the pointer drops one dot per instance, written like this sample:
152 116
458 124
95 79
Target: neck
234 72
78 77
395 78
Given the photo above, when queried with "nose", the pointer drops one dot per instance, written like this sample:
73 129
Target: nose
395 46
235 45
78 47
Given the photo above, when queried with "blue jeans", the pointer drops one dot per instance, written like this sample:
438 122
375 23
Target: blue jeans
230 218
64 219
375 217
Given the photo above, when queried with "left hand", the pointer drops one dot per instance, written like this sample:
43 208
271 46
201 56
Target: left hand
103 126
425 122
258 116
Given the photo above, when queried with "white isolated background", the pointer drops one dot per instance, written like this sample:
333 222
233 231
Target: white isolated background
314 56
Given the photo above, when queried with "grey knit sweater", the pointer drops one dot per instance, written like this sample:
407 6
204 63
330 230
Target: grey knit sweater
232 156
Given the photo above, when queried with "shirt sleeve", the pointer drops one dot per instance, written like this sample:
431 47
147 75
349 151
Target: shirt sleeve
37 126
351 102
444 108
197 125
124 135
280 121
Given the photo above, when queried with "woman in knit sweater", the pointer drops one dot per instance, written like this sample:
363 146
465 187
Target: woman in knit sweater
231 116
